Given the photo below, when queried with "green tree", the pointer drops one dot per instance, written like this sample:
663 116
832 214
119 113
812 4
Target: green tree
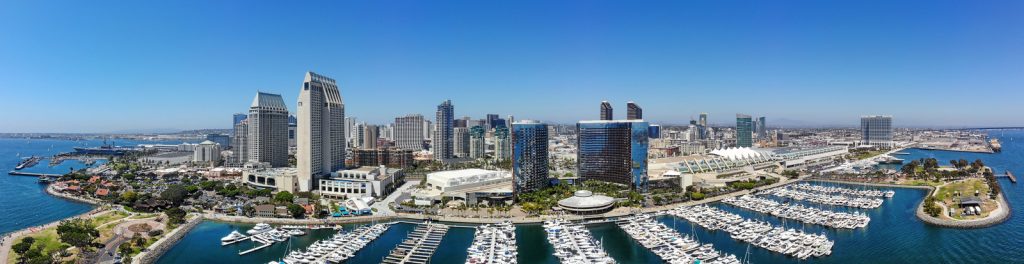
23 246
129 197
125 249
175 215
296 210
175 194
284 197
77 232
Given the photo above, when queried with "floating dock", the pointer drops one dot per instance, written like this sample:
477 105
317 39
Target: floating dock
1010 175
420 245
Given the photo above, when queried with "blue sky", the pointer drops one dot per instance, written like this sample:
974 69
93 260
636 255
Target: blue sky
100 66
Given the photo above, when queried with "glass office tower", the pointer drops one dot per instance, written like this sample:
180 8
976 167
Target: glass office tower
613 151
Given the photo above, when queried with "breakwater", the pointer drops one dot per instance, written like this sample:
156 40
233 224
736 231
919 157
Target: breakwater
156 250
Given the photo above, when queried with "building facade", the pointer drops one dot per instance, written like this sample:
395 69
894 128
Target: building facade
240 142
633 111
460 143
606 111
321 130
370 137
393 158
613 151
502 143
443 140
409 132
268 130
477 143
876 131
529 156
374 182
207 152
744 128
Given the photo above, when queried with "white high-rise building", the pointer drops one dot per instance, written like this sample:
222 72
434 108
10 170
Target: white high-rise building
350 131
321 130
207 153
460 142
240 142
268 130
410 132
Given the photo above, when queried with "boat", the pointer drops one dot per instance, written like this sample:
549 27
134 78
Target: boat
296 232
259 229
233 237
28 163
105 149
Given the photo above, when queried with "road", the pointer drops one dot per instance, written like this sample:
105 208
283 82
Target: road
382 206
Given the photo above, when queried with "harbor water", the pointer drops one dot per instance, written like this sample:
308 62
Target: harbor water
894 235
26 203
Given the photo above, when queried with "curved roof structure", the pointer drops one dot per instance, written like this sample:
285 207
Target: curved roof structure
583 201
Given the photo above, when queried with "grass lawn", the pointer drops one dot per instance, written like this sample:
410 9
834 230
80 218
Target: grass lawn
142 216
109 217
922 183
46 239
966 188
868 154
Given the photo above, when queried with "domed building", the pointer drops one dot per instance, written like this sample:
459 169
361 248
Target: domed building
586 202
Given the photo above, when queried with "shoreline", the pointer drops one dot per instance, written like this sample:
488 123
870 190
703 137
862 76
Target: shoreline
998 216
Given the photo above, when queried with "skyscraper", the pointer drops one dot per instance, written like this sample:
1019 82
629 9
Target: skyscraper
321 130
492 121
529 156
370 135
606 111
268 130
502 143
743 131
350 131
613 151
633 111
238 117
443 131
409 132
762 128
240 142
876 131
702 126
460 142
477 143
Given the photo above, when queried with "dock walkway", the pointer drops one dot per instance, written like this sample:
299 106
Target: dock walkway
420 245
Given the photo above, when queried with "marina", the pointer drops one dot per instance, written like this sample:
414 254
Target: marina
419 246
493 244
821 198
800 212
573 243
843 191
791 242
670 245
337 248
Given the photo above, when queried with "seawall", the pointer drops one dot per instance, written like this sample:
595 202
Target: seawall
154 251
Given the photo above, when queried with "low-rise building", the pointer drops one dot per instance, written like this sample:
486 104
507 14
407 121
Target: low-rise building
364 181
280 179
392 158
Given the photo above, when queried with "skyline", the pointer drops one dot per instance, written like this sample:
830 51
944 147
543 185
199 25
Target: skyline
190 65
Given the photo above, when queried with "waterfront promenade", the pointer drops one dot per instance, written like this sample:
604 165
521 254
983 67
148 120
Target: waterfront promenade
11 238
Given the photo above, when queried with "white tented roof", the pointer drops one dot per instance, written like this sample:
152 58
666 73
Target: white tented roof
739 153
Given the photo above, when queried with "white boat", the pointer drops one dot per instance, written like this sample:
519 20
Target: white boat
296 232
231 238
259 229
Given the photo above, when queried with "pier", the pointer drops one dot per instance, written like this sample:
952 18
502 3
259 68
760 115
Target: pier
255 248
33 174
419 246
1008 175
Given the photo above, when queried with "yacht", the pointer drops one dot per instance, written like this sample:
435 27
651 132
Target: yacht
259 229
232 238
